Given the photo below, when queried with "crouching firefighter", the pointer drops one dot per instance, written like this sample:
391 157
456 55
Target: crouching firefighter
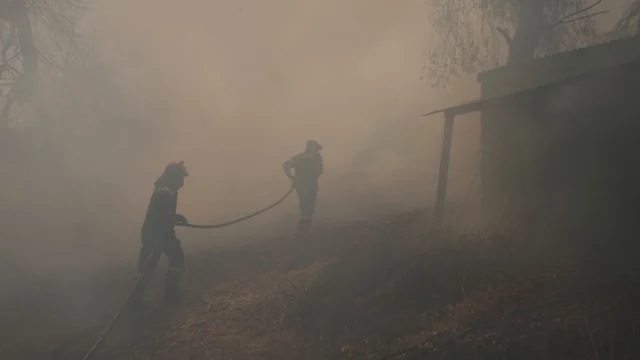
307 168
158 234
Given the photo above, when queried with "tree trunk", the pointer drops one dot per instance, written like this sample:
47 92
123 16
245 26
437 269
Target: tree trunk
530 28
19 16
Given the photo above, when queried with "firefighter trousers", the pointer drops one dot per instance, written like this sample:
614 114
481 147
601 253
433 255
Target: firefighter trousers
307 196
148 259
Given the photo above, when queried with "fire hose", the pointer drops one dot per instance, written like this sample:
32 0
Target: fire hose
246 217
102 337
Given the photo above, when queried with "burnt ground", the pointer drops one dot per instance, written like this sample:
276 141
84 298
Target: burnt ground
381 289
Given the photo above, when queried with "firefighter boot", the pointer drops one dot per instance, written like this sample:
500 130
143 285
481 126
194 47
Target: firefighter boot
172 294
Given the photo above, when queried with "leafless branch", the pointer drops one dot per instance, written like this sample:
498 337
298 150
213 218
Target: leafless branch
7 65
577 19
6 44
586 16
44 58
629 18
8 105
504 34
584 9
568 17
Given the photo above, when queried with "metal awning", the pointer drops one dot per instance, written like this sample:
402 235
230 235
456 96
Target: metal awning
452 111
460 109
476 105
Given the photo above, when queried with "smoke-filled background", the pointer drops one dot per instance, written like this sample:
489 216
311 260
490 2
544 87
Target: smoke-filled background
115 89
234 88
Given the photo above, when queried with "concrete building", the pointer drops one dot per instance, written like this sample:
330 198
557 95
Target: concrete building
560 133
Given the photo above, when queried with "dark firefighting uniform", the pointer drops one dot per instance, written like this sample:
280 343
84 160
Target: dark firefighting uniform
307 168
158 237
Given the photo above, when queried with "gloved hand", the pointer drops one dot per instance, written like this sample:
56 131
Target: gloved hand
180 220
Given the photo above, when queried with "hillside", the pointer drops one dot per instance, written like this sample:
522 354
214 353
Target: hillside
381 289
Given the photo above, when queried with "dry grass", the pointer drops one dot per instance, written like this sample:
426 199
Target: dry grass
372 291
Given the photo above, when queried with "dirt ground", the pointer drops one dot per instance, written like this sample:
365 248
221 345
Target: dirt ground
380 289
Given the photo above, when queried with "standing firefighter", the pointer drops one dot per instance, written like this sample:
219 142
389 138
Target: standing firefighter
307 169
158 234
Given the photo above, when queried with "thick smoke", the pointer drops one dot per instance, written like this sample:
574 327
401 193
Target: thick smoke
234 89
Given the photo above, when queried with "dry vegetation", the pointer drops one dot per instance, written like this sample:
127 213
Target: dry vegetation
378 290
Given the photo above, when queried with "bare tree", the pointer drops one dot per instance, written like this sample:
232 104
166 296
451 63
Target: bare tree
472 35
629 23
23 49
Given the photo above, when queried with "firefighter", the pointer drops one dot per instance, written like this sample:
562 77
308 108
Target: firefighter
158 234
307 168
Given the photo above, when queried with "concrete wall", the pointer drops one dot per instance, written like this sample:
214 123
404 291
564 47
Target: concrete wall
573 149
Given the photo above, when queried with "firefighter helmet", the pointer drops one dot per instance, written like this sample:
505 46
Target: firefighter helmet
313 145
176 168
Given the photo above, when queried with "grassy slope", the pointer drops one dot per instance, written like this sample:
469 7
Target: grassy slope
382 290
